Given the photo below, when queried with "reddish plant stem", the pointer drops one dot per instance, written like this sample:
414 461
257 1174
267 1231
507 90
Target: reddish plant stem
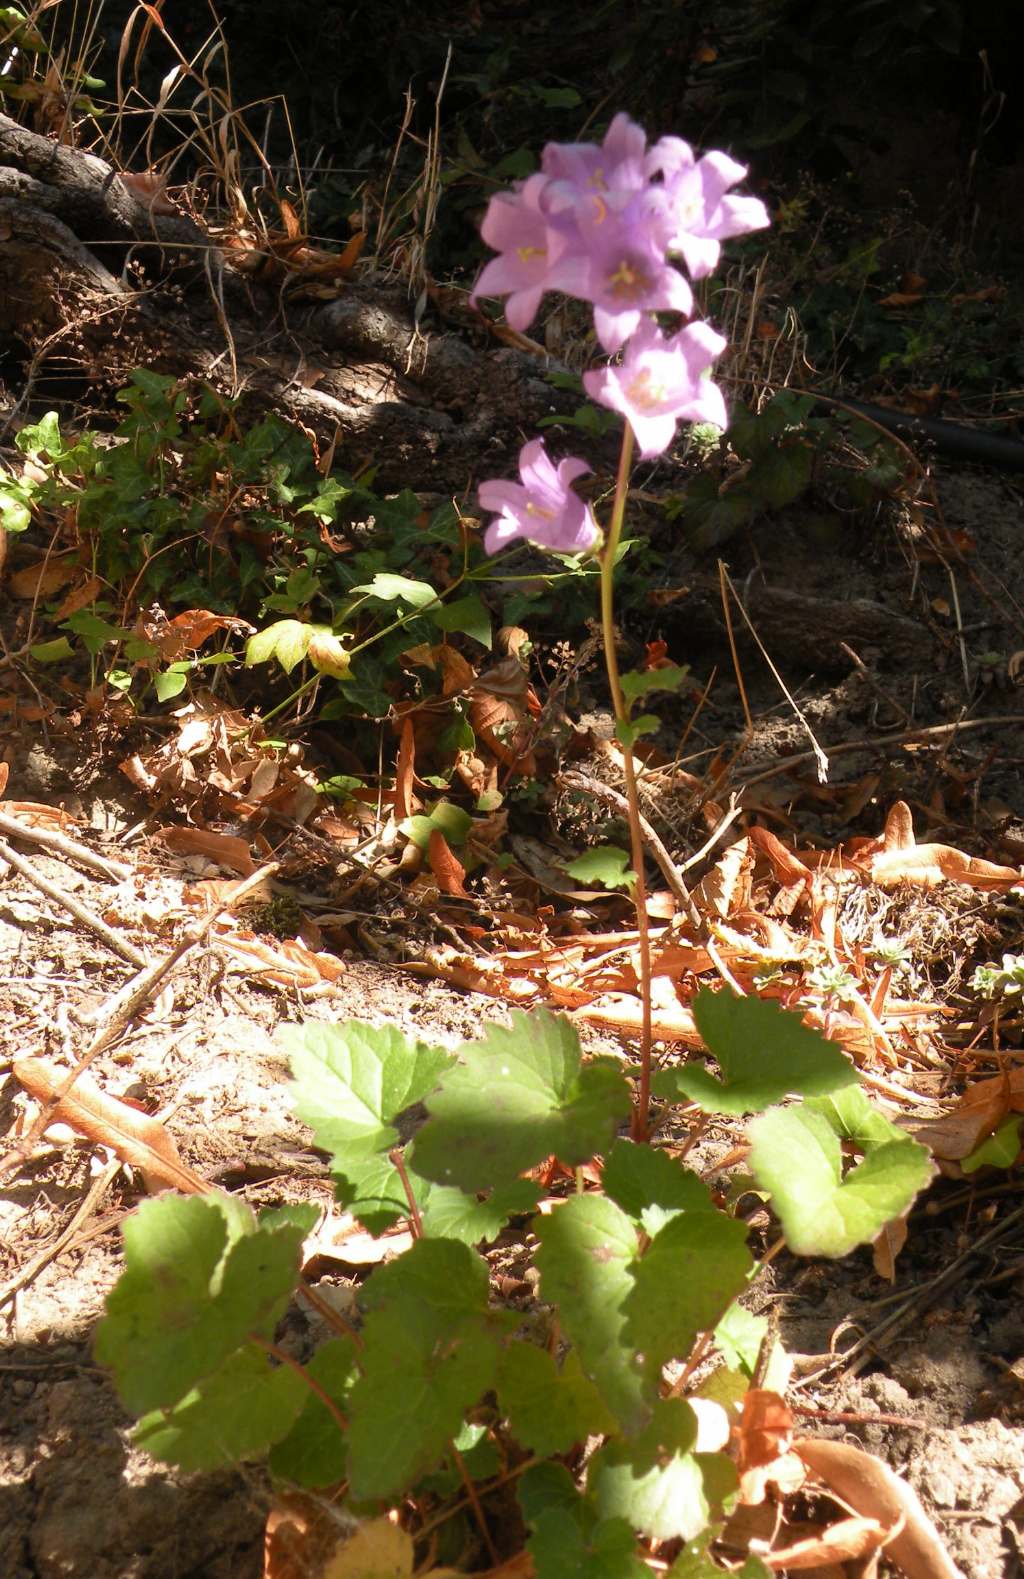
641 1112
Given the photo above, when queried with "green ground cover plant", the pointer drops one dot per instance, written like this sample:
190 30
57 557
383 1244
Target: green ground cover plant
439 1389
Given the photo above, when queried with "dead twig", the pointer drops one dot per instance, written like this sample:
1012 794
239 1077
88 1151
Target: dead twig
51 839
31 1270
123 1008
74 907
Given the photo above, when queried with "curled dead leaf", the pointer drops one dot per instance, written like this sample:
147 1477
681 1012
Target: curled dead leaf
137 1139
875 1491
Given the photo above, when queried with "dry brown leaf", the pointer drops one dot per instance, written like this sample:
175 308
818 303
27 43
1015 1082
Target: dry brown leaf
850 1538
342 1239
404 769
765 1431
78 598
979 1114
447 869
887 1246
787 867
457 672
289 965
226 849
137 1139
897 858
726 887
45 577
875 1491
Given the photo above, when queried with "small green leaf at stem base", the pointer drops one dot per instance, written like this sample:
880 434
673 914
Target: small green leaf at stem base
796 1156
764 1052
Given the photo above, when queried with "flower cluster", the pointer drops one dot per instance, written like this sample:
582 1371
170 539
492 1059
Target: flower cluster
606 224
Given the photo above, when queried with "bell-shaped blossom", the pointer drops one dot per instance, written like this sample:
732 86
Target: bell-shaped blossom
614 171
541 507
691 210
623 271
520 231
660 382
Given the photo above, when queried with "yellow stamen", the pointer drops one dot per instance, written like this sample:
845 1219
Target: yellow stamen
644 393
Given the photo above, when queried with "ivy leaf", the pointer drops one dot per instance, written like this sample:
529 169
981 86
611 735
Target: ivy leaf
796 1156
390 588
468 615
549 1410
200 1276
313 1453
430 1349
764 1053
693 1562
604 864
656 1481
452 1214
569 1541
236 1413
444 818
285 640
693 1268
642 682
651 1186
588 1247
519 1094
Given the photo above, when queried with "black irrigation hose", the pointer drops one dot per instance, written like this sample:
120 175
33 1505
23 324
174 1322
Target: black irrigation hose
948 438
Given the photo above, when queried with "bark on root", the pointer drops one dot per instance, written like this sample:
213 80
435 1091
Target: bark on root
94 282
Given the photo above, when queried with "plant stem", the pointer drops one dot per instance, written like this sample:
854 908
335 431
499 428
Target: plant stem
636 838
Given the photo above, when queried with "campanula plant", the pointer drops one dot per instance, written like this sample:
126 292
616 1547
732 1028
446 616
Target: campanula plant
625 227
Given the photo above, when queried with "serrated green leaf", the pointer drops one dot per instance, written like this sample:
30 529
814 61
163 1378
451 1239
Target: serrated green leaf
372 1190
562 1550
519 1094
452 1214
796 1156
693 1562
430 1349
691 1271
764 1053
314 1451
389 588
738 1337
469 615
656 1481
651 1186
588 1247
200 1275
549 1410
605 864
643 681
237 1413
852 1117
1000 1150
351 1081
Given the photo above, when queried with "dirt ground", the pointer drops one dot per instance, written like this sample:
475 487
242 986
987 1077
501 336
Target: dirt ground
944 1384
